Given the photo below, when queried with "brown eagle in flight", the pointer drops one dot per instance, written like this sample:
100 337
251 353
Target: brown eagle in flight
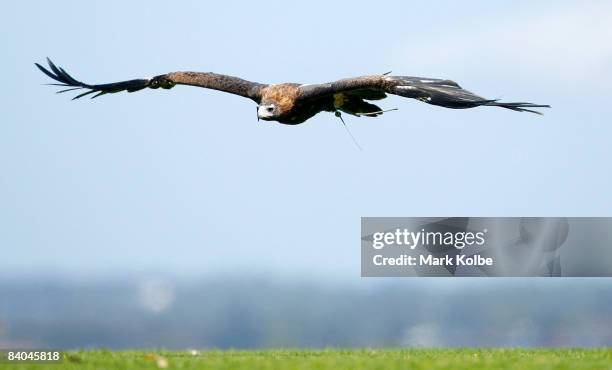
293 103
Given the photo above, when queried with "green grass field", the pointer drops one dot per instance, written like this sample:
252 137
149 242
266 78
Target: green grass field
336 359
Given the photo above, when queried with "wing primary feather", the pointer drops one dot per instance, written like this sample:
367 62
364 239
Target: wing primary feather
98 94
66 80
83 94
70 78
54 68
71 89
48 73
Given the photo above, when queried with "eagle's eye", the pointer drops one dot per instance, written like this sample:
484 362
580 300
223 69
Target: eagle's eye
270 109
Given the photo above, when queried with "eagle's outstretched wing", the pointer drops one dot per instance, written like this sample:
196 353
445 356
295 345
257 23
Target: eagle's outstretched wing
445 93
229 84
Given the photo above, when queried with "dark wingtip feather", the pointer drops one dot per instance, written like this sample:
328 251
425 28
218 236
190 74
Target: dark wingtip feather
69 78
520 106
531 111
70 89
98 94
66 80
54 68
58 74
47 72
83 94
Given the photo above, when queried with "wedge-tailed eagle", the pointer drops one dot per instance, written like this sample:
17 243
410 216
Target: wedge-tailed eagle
293 103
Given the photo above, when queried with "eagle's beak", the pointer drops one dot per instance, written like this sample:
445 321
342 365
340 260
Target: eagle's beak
257 110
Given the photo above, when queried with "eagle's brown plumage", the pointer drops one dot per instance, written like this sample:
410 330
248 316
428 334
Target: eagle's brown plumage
283 95
292 103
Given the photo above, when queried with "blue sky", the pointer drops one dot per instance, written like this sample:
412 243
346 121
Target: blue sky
188 182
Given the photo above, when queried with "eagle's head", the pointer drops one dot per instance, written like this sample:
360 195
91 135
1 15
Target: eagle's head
267 111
